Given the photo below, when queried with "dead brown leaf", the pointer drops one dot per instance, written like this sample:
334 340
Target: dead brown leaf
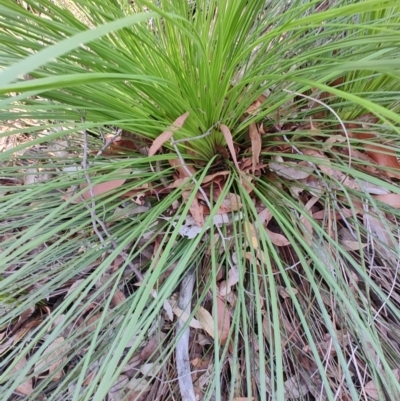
277 239
211 177
117 391
243 399
295 388
195 209
229 141
246 180
184 316
255 139
24 316
117 298
230 204
349 245
384 157
119 144
390 199
254 108
284 292
290 170
371 390
307 226
178 183
53 357
167 135
26 387
90 323
140 385
333 139
223 320
14 337
377 227
333 215
233 278
206 320
151 347
182 171
265 216
99 189
250 234
215 178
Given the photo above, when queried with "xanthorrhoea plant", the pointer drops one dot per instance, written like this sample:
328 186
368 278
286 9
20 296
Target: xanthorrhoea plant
314 313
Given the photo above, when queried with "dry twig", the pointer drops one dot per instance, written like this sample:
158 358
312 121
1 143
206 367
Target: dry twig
182 346
92 207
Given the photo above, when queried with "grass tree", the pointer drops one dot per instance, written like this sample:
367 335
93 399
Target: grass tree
199 200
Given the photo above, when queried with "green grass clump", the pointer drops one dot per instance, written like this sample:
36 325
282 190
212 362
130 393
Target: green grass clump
314 314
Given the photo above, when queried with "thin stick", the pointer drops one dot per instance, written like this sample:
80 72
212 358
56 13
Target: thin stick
332 111
185 297
182 346
92 207
195 138
108 143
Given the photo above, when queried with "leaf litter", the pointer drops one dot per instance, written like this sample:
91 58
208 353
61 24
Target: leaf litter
307 181
287 171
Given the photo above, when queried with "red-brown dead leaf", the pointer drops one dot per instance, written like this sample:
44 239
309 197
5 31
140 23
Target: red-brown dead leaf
229 141
89 378
357 155
371 389
24 316
151 347
117 298
368 119
117 263
212 177
255 106
277 239
167 135
384 157
265 216
26 387
233 278
179 182
14 337
216 178
243 399
390 199
99 189
255 138
139 192
53 357
200 362
245 181
295 388
230 204
246 163
182 171
333 215
195 209
120 144
306 222
361 135
90 323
